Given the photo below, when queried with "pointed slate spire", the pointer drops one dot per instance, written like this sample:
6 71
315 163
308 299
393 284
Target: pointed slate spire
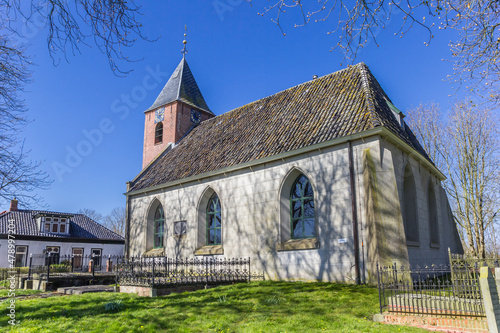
181 87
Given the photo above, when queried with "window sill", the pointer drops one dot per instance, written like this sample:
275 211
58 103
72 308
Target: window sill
412 243
434 246
209 250
298 244
154 253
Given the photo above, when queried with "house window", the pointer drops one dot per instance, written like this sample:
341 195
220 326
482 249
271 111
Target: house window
62 228
214 224
159 133
433 219
47 227
54 227
302 209
159 225
21 255
410 207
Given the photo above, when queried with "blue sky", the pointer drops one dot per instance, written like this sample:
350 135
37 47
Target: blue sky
236 57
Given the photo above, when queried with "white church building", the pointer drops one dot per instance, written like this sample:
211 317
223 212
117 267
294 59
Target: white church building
320 181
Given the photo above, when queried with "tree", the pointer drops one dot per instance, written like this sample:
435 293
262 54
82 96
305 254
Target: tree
115 221
93 214
19 176
467 147
113 25
476 51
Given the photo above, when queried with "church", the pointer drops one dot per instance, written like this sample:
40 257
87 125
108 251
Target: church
319 182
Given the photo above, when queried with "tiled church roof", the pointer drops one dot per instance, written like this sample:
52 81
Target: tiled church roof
81 226
333 106
181 87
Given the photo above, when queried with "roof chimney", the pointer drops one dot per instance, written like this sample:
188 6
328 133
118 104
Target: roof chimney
13 205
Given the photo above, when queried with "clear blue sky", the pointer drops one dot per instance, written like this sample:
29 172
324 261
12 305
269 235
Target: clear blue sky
236 57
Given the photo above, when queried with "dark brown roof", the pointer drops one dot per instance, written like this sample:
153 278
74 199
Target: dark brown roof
81 226
336 105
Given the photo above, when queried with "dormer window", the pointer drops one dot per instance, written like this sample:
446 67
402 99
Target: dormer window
53 225
397 113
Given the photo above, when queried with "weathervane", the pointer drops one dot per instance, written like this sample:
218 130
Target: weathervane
184 50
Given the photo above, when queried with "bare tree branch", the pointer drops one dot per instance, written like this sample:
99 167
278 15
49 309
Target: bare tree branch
467 149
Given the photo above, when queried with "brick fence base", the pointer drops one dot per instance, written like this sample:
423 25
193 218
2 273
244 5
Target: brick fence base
434 323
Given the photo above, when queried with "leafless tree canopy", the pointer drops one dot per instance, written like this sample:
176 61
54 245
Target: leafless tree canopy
115 221
113 25
467 149
92 213
359 22
19 176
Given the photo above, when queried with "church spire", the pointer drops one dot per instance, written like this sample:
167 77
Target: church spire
181 86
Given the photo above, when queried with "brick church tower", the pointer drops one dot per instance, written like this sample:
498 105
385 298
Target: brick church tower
179 107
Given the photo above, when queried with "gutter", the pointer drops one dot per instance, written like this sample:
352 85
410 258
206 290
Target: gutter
382 131
354 213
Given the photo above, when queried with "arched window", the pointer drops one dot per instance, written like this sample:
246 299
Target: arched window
433 220
159 227
214 223
302 209
410 206
159 133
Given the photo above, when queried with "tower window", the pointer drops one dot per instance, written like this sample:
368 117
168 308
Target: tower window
159 133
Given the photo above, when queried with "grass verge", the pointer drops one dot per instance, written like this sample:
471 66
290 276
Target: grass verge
256 307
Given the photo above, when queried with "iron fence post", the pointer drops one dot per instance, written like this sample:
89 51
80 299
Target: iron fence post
206 272
116 272
379 289
153 272
93 267
249 273
29 269
72 263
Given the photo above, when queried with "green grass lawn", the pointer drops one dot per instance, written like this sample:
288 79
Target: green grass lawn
255 307
19 292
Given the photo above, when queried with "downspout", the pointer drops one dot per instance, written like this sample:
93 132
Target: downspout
127 224
354 212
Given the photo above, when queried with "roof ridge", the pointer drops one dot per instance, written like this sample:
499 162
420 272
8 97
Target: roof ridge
281 91
364 72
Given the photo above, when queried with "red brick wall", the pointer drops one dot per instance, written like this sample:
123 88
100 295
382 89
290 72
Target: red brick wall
443 324
176 122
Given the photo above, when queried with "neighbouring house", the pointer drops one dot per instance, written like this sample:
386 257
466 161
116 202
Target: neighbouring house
59 234
321 181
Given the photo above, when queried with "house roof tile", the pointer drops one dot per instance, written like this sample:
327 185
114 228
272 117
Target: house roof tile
81 226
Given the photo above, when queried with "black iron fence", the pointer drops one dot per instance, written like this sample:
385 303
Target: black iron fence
142 271
431 290
45 266
164 272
